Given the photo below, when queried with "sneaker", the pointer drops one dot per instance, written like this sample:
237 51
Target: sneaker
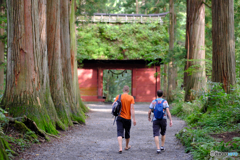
162 148
158 151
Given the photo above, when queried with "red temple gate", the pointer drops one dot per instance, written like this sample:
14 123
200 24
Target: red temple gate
145 80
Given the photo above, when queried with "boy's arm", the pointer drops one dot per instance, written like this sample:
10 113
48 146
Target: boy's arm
169 116
149 114
133 114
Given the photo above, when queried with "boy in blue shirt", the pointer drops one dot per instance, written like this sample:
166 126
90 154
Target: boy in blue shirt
160 123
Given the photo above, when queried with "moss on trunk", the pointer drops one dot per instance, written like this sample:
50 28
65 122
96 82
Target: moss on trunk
36 113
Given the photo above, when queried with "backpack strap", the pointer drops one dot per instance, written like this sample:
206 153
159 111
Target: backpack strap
114 120
119 98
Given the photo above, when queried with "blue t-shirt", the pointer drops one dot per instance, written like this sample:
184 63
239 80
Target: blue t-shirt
165 105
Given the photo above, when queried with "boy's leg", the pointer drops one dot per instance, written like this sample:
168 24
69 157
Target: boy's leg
127 127
163 127
156 139
156 129
163 140
119 132
127 142
120 143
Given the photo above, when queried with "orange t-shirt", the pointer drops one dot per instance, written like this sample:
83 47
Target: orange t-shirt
126 101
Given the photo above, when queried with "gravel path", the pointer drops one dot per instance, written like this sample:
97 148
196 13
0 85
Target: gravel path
98 140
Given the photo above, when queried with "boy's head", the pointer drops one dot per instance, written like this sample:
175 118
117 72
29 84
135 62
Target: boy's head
159 93
126 89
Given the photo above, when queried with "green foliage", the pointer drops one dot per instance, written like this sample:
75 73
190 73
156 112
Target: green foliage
3 119
214 112
127 41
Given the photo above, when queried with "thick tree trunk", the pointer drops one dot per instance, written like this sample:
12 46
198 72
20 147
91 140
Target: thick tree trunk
1 53
74 65
44 62
76 112
26 92
172 72
223 59
196 80
55 62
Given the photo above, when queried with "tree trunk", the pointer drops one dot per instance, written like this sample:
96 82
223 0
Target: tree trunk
187 47
196 80
223 59
74 64
2 10
26 86
172 77
44 61
136 6
76 112
55 62
165 81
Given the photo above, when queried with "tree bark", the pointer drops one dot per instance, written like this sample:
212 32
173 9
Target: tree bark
172 72
223 59
26 85
74 64
136 6
196 80
2 10
187 46
165 81
55 62
76 112
44 64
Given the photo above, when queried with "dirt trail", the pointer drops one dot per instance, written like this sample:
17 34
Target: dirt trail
98 140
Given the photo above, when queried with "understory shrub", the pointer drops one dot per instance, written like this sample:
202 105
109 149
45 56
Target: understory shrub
214 112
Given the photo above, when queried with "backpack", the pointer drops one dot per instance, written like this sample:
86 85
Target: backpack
116 108
158 110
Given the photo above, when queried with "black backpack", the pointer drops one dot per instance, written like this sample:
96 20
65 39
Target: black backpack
116 108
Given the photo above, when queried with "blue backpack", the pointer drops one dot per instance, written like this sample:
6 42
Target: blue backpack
158 110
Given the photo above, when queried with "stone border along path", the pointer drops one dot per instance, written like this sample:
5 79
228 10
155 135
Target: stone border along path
98 139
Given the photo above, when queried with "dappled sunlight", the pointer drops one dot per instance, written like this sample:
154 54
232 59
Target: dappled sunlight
87 78
102 108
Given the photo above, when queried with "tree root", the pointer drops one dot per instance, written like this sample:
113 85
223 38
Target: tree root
24 124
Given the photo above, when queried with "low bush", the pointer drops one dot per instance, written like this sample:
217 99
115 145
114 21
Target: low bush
215 112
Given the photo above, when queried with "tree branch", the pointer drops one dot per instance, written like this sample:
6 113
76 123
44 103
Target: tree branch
206 5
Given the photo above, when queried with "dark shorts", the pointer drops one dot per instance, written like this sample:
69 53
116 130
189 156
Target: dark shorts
159 124
123 124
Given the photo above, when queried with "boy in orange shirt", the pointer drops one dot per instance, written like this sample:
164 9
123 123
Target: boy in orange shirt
124 119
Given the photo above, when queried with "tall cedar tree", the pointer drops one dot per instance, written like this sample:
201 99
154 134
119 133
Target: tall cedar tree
2 11
196 79
27 86
172 72
73 51
223 59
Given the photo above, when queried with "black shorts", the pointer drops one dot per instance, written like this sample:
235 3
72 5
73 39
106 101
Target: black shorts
159 124
123 124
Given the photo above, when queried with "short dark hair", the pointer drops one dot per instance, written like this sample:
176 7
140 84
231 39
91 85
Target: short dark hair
159 93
